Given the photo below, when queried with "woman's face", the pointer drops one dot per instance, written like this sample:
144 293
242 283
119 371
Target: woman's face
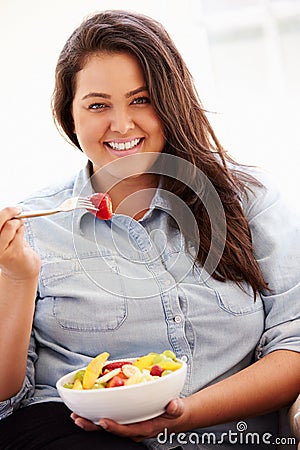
113 115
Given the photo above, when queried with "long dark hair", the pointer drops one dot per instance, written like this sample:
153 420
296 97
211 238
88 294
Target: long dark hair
188 132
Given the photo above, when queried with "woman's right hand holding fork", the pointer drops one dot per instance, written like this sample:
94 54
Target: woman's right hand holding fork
17 260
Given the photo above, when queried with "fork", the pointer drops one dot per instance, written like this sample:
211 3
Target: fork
68 205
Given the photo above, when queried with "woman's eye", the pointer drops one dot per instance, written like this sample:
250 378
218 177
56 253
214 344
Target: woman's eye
141 100
95 106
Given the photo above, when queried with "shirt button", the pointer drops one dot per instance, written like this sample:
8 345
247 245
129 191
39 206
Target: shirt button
184 358
167 282
177 319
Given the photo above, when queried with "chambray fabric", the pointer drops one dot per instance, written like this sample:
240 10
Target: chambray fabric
129 287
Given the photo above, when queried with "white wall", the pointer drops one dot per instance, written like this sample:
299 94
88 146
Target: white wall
256 101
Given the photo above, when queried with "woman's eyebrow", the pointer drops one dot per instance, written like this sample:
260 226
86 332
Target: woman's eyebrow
107 96
96 94
136 91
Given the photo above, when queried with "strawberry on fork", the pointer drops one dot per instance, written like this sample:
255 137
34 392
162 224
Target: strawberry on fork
103 204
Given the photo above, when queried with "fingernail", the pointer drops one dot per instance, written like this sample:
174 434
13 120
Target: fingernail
79 424
103 424
173 407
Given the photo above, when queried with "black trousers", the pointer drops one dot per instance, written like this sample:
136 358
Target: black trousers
48 426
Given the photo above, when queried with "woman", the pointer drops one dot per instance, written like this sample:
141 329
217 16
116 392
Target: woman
199 257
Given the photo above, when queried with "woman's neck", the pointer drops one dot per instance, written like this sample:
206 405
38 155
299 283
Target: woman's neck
131 196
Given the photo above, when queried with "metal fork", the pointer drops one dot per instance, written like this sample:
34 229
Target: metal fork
68 205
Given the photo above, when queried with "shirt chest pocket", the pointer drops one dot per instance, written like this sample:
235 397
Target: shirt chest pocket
229 296
86 294
235 299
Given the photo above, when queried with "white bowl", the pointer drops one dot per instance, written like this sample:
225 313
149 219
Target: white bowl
124 404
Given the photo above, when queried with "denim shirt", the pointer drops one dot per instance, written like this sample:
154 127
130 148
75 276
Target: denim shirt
128 287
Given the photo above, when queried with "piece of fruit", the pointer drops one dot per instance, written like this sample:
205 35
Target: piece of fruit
169 354
122 375
116 381
93 370
99 386
108 375
79 375
104 205
158 358
146 376
129 370
169 364
77 385
134 379
114 365
145 362
156 370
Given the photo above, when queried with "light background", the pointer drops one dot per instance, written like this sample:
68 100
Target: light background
244 56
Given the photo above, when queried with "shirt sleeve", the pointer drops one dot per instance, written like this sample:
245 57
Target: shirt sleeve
275 235
8 406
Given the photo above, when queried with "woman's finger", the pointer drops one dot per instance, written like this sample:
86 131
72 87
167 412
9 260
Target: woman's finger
7 214
85 424
175 408
9 232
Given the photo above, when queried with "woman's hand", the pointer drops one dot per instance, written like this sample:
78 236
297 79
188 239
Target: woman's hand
18 261
19 269
174 419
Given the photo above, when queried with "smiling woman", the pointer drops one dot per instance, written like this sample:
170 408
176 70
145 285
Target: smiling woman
198 246
114 118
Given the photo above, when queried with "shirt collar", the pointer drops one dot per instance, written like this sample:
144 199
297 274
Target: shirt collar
83 188
161 200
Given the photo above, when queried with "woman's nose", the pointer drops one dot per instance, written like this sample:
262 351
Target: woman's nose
121 122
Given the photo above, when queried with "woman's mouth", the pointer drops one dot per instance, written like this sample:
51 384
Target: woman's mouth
124 147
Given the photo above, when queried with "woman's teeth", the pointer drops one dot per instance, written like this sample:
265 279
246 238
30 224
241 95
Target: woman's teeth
124 145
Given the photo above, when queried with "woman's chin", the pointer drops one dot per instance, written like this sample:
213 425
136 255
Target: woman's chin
131 166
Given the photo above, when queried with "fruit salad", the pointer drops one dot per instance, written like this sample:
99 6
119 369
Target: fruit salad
100 373
104 205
